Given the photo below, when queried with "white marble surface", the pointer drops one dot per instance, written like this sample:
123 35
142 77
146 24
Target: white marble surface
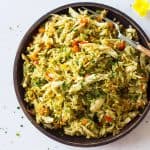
16 17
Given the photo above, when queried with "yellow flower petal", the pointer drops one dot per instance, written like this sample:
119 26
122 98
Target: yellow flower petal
142 7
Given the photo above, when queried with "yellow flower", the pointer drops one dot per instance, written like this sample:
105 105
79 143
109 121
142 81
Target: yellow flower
141 7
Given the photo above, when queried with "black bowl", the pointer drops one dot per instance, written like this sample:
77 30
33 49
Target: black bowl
18 76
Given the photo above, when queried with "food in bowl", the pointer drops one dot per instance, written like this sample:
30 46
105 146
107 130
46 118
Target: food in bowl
79 77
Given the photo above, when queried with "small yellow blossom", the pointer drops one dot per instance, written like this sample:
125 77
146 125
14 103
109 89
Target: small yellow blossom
142 7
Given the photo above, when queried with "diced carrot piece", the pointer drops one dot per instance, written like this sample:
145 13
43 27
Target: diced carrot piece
41 30
121 45
33 57
76 49
84 121
84 21
75 42
108 118
43 111
75 46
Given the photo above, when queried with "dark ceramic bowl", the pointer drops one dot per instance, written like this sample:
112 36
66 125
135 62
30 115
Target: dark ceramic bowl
18 75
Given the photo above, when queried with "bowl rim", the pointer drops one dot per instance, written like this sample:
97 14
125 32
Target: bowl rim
15 70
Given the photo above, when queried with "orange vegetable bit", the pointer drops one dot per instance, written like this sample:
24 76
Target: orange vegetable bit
84 121
34 57
75 46
43 111
75 42
121 45
41 30
76 49
108 118
84 21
